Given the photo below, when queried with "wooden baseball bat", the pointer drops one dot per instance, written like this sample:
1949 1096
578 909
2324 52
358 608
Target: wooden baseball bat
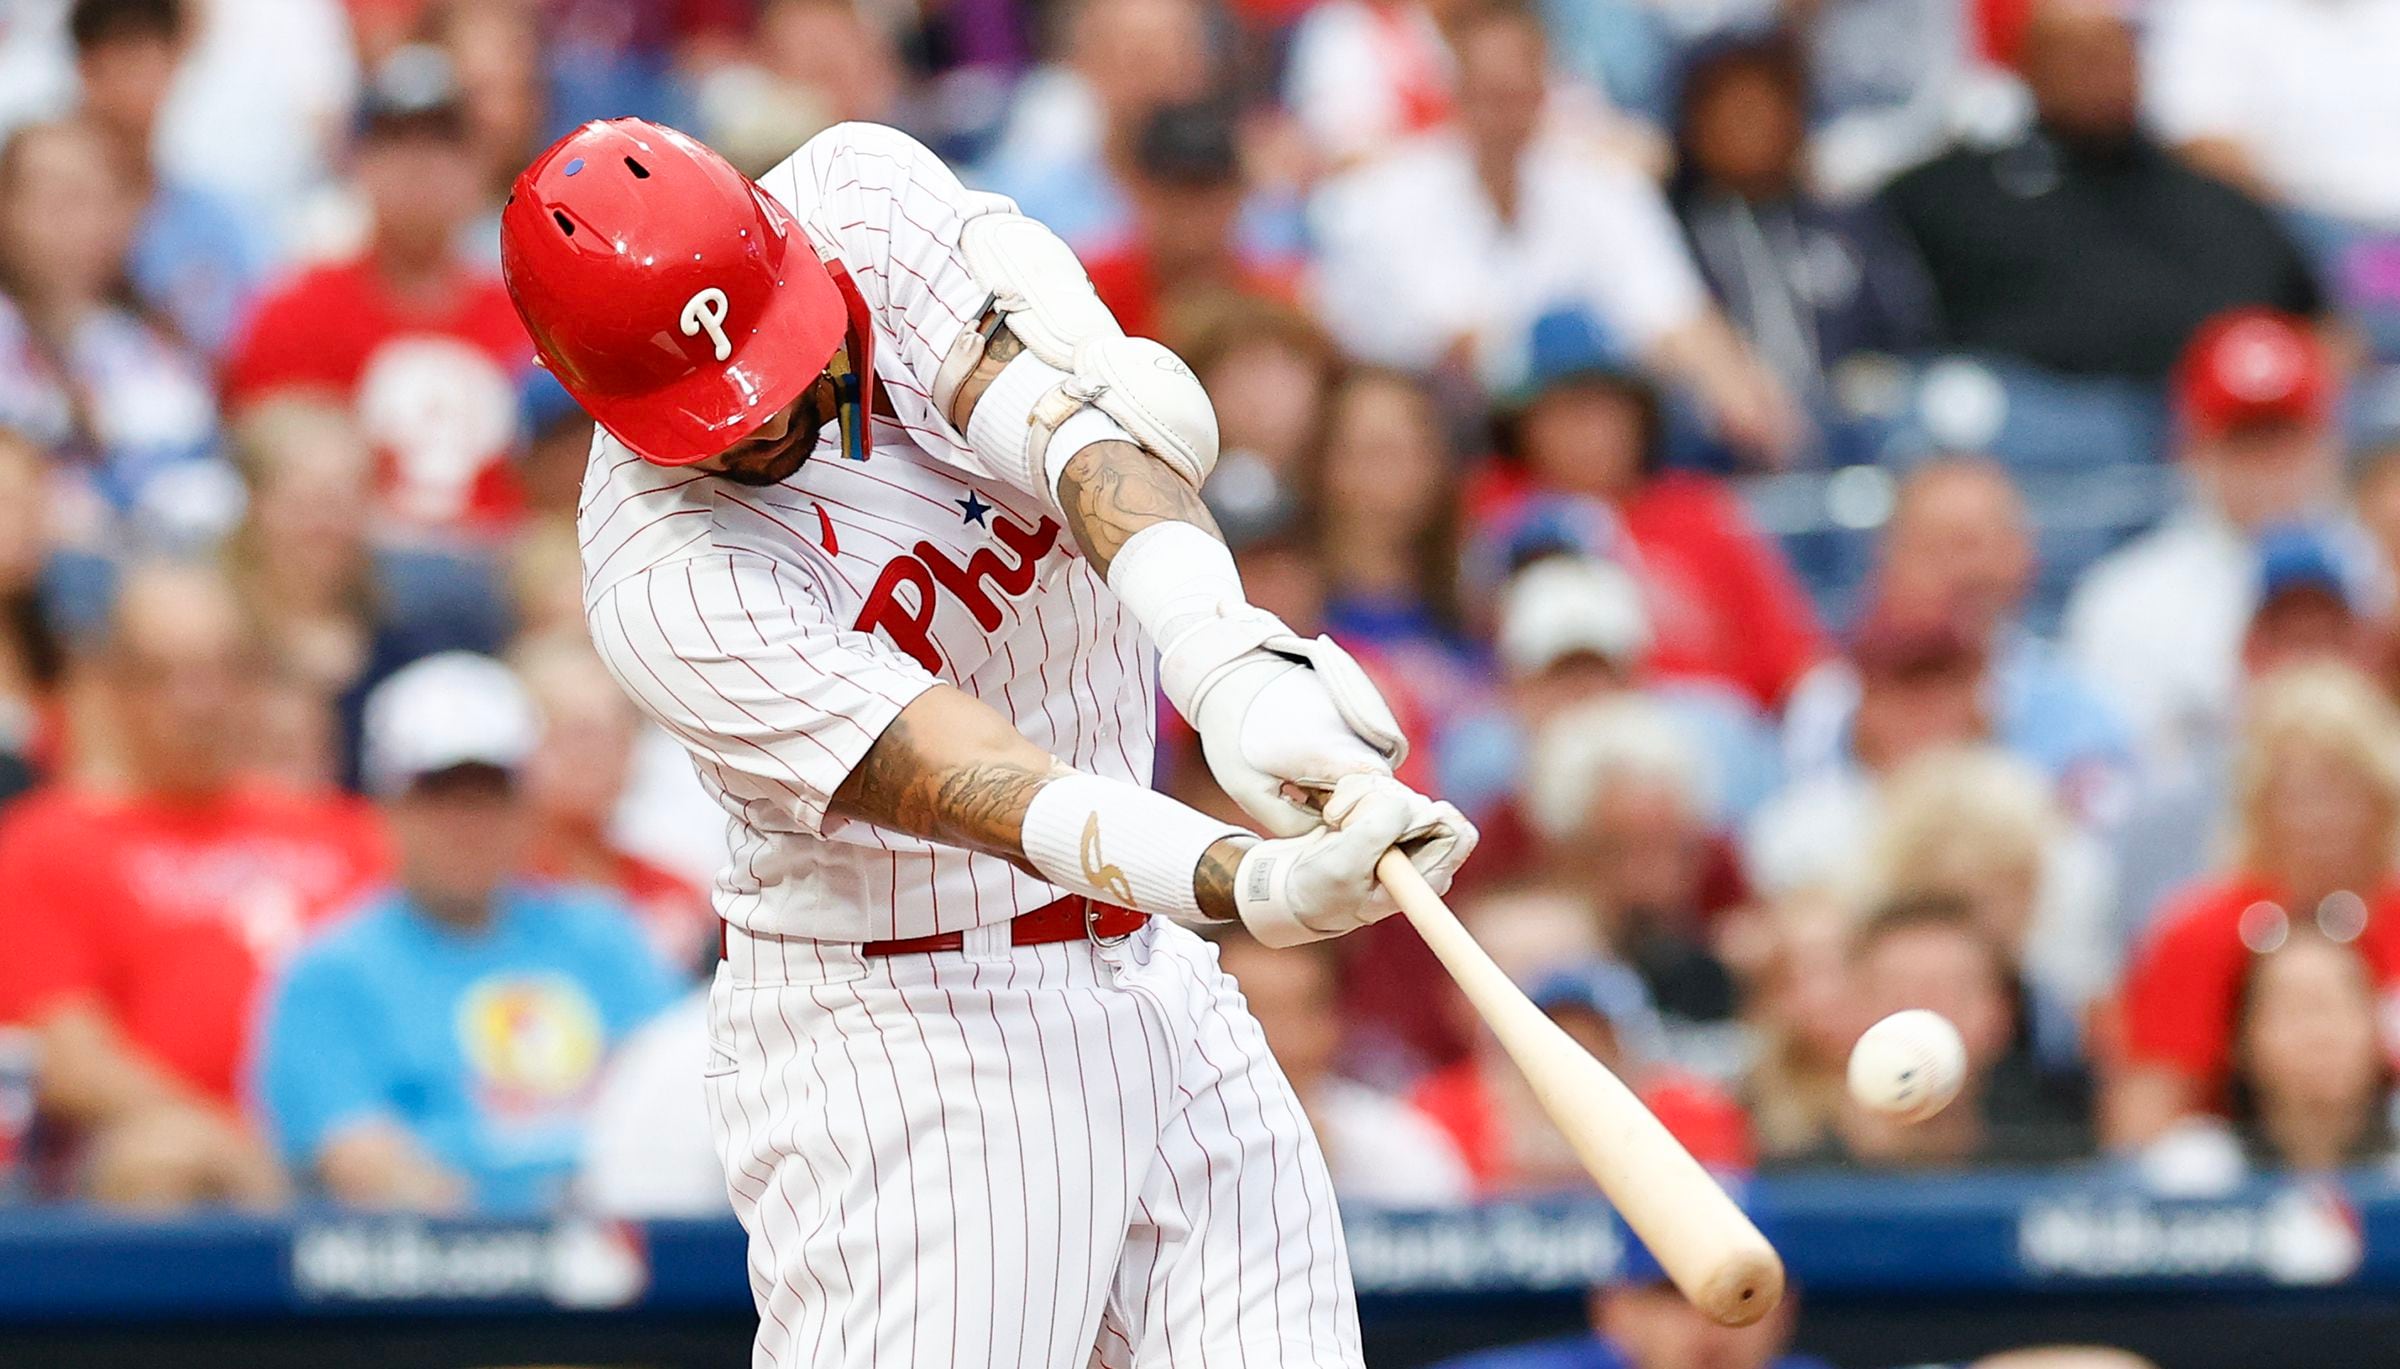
1712 1252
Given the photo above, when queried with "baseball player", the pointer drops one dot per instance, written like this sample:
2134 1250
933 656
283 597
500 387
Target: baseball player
883 520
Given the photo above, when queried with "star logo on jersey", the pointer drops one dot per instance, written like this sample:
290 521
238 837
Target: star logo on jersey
974 510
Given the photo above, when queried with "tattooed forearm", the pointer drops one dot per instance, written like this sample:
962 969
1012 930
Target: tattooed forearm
1112 490
1001 350
950 770
1213 881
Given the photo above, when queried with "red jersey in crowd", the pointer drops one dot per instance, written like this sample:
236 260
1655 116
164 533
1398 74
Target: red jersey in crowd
2184 990
1723 603
436 391
171 915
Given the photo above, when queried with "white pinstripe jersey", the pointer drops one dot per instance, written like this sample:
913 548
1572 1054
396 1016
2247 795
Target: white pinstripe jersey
777 631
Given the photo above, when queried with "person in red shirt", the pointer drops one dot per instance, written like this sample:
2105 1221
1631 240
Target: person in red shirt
573 781
426 346
1585 448
144 907
2315 824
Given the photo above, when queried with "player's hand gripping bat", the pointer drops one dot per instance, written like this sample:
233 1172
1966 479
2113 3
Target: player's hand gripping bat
1711 1251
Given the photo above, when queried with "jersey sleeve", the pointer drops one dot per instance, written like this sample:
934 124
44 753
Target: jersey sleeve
892 212
775 700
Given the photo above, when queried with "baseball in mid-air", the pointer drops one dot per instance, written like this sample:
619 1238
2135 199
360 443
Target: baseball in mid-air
1909 1065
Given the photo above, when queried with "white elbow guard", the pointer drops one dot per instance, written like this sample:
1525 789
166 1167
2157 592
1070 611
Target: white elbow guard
1076 357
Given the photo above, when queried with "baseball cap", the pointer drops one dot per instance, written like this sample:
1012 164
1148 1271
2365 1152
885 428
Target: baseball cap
2253 366
1610 991
2299 558
1891 645
1560 606
452 709
415 90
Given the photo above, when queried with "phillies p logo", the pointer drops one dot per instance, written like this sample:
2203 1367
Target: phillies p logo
706 311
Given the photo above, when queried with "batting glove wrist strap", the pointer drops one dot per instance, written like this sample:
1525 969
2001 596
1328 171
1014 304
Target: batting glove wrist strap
1120 843
1293 890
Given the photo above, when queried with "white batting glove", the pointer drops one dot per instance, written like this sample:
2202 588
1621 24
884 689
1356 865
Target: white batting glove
1274 708
1291 890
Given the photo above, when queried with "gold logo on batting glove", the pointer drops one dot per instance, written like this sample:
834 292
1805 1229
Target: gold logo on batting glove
1101 875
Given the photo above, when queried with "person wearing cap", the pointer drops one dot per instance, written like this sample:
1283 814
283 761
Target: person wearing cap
1184 236
423 343
2079 244
438 1049
1584 450
2158 624
1920 687
1960 542
148 893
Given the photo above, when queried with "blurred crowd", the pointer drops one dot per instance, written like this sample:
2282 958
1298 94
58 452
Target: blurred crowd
1869 503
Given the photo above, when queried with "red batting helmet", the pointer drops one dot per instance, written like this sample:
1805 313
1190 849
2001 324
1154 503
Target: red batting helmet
680 304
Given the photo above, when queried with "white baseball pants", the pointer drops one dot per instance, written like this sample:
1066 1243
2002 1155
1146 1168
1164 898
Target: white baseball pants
1048 1157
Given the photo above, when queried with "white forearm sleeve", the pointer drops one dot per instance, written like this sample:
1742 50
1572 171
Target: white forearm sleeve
1120 843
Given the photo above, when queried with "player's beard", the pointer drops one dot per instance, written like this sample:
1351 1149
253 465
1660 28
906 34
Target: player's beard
760 466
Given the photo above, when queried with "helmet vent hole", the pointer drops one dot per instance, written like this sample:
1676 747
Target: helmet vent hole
565 224
640 172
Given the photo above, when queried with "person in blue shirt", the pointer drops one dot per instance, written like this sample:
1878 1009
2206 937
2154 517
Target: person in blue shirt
438 1048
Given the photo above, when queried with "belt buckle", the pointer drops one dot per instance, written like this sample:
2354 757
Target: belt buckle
1091 926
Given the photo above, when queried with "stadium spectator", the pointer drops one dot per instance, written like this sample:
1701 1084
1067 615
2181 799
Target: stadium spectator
1185 186
2314 823
259 111
1270 371
1959 543
495 54
1614 792
1072 122
1572 630
1384 490
2312 1081
2291 102
1448 251
425 345
438 1048
2158 624
1792 958
1930 951
194 259
573 782
2309 611
30 652
811 64
1977 825
1378 1149
302 562
2082 246
1811 284
1584 466
648 1148
125 407
1363 75
1920 688
151 893
1509 1144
